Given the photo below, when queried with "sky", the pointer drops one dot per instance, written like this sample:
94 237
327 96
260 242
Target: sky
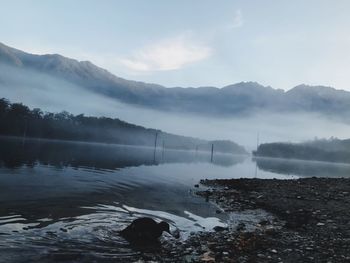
191 43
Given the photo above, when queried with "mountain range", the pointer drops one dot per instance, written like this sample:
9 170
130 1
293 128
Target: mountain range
236 99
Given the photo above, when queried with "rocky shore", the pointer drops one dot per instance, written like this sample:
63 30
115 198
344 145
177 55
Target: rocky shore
311 223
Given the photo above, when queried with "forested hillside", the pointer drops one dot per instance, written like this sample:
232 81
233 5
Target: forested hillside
18 120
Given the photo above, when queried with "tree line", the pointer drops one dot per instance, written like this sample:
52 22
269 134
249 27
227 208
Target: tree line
335 150
19 120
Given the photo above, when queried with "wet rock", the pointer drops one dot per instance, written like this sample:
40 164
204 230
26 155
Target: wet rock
206 257
220 228
241 226
264 222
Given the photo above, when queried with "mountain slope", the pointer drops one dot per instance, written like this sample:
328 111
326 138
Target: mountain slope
236 99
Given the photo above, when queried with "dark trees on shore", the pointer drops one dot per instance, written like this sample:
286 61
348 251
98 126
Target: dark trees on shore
17 119
333 150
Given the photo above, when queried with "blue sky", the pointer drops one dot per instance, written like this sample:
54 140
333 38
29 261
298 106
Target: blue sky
192 42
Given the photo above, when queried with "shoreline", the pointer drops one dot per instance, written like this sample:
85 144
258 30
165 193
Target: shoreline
311 223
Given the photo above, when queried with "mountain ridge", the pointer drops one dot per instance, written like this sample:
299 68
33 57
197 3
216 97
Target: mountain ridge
235 99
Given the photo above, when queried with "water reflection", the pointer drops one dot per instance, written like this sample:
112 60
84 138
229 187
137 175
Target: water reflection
303 168
15 152
67 201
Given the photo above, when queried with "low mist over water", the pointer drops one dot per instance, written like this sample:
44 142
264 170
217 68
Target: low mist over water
55 95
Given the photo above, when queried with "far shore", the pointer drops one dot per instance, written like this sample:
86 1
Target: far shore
158 148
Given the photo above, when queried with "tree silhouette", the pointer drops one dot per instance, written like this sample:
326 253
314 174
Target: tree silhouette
17 119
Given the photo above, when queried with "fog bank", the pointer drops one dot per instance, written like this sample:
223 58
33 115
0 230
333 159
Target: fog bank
39 90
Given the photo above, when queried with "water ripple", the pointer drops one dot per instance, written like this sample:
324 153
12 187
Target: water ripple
92 235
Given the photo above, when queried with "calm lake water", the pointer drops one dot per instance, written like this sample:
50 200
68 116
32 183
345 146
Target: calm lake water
67 201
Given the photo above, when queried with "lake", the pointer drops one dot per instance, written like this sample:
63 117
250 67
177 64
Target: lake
67 200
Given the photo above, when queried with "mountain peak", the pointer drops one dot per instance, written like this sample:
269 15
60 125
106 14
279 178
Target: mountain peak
250 88
314 87
324 91
245 85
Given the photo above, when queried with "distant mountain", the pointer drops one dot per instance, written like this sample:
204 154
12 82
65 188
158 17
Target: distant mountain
236 99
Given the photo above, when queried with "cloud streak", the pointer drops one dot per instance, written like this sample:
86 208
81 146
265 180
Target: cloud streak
237 20
168 54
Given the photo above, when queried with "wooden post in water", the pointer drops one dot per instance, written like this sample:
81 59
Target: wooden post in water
155 147
212 152
25 131
155 141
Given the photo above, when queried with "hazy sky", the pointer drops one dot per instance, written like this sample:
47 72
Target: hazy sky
191 42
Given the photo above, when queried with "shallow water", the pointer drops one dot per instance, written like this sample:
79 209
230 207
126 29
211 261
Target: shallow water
67 201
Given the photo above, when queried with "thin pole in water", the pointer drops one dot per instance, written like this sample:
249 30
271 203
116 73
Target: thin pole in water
212 152
155 147
257 146
155 141
25 131
256 169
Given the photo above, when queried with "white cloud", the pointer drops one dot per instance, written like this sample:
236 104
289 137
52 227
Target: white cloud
237 20
168 54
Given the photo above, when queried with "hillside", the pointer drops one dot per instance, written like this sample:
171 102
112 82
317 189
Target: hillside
18 120
237 99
